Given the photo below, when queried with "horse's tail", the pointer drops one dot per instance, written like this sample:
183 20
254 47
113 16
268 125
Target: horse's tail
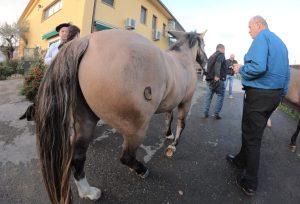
55 110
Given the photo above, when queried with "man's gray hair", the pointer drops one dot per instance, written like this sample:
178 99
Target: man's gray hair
219 46
261 20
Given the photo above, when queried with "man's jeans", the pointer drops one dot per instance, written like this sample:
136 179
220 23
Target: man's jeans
209 95
230 79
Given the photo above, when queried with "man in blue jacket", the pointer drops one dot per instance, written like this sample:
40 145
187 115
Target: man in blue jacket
265 77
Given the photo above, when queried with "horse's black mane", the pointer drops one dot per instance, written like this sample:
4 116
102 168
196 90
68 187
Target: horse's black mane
192 37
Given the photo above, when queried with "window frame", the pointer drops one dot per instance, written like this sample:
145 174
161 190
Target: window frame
52 9
108 4
154 25
164 30
145 15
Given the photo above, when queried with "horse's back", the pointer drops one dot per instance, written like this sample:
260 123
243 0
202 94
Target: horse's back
115 73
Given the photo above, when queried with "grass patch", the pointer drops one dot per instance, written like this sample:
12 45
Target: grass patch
292 113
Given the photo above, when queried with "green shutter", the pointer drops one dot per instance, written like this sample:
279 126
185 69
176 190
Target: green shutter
49 34
102 26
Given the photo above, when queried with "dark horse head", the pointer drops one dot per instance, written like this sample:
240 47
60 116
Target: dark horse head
201 55
193 38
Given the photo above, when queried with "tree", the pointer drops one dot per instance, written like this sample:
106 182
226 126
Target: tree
10 34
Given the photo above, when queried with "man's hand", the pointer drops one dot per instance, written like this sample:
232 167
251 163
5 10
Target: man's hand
216 78
236 68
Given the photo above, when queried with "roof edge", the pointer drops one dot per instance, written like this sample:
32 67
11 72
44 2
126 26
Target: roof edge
161 3
29 6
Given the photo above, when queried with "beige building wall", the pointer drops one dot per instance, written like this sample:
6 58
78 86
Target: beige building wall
122 10
80 13
72 11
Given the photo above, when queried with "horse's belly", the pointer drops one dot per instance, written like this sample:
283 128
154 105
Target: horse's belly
167 106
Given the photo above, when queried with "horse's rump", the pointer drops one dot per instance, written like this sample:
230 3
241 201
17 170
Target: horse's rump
116 72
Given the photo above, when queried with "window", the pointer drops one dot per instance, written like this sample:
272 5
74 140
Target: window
154 20
108 2
143 15
172 41
52 9
164 30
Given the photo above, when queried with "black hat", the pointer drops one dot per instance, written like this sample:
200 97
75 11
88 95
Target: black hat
61 26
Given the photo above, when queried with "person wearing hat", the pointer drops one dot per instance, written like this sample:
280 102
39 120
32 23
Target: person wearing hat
63 32
74 32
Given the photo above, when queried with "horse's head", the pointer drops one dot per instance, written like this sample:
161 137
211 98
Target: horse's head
192 38
201 57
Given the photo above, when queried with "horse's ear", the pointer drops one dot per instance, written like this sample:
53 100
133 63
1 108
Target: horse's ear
176 34
202 34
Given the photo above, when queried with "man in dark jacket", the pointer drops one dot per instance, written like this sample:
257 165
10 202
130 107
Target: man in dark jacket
216 76
230 73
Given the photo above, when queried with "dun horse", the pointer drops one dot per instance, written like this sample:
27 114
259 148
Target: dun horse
122 78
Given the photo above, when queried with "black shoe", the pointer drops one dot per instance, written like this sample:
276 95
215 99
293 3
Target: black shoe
217 117
231 160
241 183
205 115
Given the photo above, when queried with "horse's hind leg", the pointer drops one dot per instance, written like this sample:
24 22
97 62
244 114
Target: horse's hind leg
292 145
85 122
168 122
130 145
183 109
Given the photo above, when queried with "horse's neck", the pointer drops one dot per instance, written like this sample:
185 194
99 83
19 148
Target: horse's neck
180 65
183 57
179 78
184 52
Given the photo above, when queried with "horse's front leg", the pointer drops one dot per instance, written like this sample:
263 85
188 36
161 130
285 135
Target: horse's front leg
183 109
168 122
292 145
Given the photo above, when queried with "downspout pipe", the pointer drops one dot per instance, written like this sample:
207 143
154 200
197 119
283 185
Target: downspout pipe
93 16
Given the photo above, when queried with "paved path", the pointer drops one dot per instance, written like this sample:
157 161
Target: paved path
198 170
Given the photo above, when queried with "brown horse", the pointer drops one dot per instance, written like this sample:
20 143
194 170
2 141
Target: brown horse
122 78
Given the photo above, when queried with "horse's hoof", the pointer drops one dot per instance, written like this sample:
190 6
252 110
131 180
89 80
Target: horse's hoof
145 175
292 148
87 191
92 194
170 137
169 152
